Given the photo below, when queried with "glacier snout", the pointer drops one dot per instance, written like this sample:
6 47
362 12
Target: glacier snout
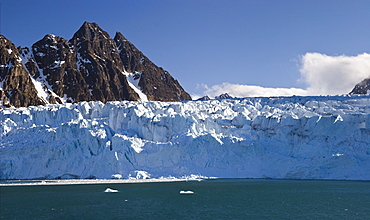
292 137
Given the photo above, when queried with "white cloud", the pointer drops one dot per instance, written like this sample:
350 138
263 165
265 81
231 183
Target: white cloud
237 90
333 75
323 75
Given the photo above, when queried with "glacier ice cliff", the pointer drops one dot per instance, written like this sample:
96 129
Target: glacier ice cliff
283 137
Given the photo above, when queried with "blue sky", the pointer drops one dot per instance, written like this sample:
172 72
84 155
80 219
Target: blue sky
212 46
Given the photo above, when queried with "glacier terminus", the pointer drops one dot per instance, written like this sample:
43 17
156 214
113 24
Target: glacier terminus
316 137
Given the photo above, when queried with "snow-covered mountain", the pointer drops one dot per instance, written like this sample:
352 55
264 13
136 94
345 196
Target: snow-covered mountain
293 137
89 67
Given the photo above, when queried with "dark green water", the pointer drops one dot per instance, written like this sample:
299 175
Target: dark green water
212 199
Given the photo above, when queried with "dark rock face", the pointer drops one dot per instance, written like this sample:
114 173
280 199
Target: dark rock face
224 96
362 88
204 98
155 82
52 62
99 63
16 86
90 66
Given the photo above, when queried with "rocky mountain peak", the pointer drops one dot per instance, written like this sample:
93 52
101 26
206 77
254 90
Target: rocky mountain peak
90 32
362 88
131 57
16 85
52 48
204 98
100 64
89 67
224 96
9 53
155 82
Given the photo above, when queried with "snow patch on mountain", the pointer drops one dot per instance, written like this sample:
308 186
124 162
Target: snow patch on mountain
292 137
81 61
133 81
44 89
40 91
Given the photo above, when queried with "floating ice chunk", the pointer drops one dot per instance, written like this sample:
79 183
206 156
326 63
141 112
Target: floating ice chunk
117 176
109 190
339 118
186 192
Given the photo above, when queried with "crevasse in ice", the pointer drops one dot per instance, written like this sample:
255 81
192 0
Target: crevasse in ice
287 137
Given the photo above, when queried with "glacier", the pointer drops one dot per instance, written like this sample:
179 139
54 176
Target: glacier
317 137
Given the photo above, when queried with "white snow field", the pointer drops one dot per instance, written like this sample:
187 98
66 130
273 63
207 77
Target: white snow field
284 137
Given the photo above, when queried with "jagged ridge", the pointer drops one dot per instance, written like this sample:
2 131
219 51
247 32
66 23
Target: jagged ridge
89 67
362 88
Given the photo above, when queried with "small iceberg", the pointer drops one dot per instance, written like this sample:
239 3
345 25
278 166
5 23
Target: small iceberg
109 190
186 192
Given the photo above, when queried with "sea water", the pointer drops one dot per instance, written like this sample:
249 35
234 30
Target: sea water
210 199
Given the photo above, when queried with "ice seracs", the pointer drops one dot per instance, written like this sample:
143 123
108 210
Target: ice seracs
291 137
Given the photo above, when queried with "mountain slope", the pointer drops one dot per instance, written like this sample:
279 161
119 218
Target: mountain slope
154 81
362 87
99 63
52 63
89 67
16 86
